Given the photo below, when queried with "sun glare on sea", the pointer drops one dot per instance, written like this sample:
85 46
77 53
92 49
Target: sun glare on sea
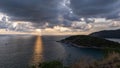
38 49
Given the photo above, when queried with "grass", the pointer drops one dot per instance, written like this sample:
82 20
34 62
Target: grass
112 61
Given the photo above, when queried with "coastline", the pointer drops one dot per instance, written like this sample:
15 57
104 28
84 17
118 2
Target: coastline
75 45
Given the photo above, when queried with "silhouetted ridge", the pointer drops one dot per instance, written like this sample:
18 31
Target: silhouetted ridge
107 34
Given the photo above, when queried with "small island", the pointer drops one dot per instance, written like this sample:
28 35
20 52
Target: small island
87 41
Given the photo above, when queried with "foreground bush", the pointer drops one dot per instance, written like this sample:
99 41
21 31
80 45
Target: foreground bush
51 64
112 61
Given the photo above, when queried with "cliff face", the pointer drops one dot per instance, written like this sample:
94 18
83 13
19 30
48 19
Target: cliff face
107 34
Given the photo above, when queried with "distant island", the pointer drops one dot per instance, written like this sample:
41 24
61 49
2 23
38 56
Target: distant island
87 41
107 34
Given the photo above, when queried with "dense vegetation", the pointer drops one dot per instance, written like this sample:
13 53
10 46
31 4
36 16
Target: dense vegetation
50 64
92 42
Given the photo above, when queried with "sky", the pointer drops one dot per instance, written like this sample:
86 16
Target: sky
60 16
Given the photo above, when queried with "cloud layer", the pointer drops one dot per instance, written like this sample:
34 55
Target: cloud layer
64 13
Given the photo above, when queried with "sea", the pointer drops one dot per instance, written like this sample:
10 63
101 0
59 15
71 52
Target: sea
23 51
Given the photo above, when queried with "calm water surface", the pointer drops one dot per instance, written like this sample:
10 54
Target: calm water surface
21 51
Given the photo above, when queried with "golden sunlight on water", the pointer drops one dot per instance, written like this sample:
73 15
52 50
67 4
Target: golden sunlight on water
38 49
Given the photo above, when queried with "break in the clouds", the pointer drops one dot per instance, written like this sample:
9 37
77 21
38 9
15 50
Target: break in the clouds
74 14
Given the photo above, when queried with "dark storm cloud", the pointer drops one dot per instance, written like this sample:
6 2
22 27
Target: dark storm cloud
41 11
30 10
96 8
